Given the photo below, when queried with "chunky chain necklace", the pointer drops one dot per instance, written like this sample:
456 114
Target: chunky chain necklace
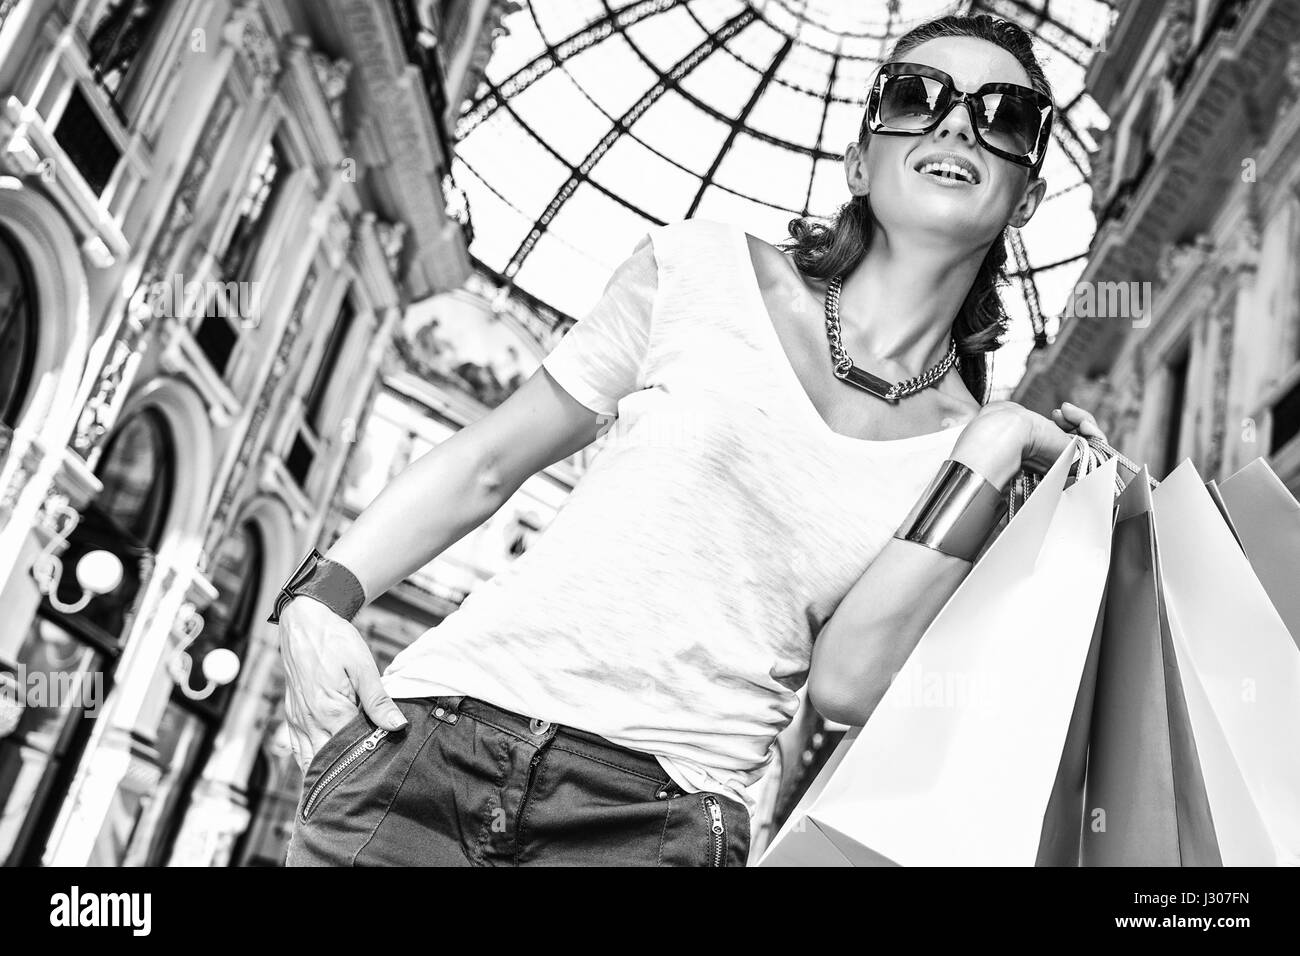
846 371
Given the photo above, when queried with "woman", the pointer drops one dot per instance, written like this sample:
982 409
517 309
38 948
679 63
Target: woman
611 695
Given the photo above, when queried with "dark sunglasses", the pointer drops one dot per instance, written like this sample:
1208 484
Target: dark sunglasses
1009 120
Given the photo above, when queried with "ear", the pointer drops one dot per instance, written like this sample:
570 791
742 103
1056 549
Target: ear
1035 189
855 168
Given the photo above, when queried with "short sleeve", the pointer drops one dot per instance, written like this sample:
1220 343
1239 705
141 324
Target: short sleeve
602 356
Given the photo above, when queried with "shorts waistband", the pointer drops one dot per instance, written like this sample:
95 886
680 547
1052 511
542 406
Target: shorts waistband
562 736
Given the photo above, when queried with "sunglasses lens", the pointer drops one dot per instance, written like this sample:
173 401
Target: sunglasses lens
1009 122
910 102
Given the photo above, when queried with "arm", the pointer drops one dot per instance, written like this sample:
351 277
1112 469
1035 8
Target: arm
431 504
874 629
460 483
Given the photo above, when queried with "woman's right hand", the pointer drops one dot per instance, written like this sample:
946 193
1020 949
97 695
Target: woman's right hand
329 675
1004 437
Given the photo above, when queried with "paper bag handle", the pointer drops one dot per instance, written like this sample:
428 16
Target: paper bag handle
1090 453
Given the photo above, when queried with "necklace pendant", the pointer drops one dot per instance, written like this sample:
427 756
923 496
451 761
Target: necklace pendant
874 384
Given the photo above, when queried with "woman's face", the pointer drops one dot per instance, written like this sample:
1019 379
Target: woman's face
969 215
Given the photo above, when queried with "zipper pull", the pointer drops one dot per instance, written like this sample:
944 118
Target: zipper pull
715 813
373 740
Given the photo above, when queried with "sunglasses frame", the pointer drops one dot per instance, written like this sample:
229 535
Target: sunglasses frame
953 97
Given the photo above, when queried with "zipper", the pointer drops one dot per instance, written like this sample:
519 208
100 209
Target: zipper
527 796
349 757
714 810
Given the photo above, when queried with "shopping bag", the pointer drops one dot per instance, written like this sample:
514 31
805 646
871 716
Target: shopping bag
963 761
1240 671
1266 518
1146 803
1216 495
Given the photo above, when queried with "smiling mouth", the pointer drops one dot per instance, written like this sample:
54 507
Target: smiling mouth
947 171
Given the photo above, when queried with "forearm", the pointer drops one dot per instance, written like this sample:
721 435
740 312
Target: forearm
881 619
430 505
877 625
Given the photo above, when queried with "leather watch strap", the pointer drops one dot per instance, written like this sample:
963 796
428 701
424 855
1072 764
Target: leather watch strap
323 580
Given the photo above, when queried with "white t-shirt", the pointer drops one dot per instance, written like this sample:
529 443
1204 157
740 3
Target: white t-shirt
672 603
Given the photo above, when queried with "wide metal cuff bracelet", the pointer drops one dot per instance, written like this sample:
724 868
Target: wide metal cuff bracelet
957 512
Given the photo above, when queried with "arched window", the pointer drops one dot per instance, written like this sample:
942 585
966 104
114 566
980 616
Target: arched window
18 310
137 469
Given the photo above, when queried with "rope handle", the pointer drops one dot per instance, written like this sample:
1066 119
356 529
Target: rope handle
1090 454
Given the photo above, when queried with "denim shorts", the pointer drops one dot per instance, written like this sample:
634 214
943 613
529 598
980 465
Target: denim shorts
469 784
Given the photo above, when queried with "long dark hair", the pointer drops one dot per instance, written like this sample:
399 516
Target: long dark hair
827 249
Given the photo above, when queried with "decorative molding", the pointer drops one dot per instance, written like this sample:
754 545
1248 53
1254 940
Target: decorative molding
1290 79
1178 36
1176 257
1225 328
184 202
101 407
392 239
333 78
1243 254
245 31
1102 163
25 469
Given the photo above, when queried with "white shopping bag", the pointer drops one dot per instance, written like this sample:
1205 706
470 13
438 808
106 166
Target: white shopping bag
964 754
1240 670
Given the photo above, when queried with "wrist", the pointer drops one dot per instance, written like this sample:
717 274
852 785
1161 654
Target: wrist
325 580
956 513
994 451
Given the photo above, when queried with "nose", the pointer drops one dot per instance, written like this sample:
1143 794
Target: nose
956 123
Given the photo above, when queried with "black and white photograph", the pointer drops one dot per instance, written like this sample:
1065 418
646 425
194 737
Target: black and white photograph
650 433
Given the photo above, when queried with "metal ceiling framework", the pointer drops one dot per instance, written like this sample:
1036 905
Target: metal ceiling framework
1059 36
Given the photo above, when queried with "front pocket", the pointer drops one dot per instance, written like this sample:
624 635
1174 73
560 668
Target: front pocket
343 764
717 829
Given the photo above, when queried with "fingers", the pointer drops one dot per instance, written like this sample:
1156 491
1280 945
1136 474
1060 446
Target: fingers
1072 418
299 742
379 707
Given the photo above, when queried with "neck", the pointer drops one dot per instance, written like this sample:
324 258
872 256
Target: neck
899 302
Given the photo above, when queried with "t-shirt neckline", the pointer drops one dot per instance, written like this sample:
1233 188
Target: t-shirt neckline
786 369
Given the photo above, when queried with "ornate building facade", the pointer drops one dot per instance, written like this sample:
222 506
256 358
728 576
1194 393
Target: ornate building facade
1184 331
213 215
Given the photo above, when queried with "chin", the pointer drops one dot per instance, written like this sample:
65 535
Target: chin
948 212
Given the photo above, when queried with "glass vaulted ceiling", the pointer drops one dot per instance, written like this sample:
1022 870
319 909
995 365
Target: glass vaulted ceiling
600 118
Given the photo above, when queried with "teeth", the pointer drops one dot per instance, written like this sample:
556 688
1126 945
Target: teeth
950 170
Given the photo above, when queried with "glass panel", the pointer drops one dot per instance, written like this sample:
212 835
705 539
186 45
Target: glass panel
18 311
88 144
338 337
264 184
832 45
59 676
117 39
137 474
